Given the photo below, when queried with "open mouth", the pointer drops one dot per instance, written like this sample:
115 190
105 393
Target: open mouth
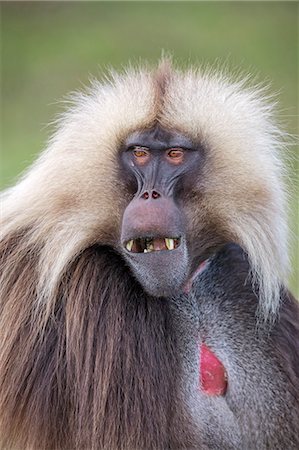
149 244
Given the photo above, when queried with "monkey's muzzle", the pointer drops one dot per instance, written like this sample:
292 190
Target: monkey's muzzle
154 245
159 264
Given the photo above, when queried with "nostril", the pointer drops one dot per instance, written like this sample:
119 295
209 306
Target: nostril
145 195
155 194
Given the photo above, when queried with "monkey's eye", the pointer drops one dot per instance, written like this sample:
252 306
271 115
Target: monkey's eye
141 154
176 155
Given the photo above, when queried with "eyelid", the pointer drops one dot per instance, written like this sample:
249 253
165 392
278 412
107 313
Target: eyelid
131 148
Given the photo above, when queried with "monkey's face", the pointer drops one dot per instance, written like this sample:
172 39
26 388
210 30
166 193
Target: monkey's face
158 167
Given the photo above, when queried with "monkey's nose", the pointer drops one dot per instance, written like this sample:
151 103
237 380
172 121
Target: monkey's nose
153 194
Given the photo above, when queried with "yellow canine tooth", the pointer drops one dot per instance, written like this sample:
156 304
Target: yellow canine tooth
169 243
129 245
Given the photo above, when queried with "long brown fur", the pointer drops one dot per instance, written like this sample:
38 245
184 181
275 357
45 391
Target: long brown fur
105 354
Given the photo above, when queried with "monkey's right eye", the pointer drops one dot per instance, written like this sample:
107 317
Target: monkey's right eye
139 151
141 154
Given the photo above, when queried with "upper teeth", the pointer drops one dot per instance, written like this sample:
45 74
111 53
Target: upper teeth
169 243
147 245
129 245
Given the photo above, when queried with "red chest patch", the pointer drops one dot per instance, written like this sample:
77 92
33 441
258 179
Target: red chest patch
213 376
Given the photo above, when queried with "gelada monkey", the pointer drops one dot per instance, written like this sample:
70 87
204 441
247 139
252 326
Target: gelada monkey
143 259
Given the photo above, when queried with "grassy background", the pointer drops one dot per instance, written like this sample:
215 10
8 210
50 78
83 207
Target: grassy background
51 48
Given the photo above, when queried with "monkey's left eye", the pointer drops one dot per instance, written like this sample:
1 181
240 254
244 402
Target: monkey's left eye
176 155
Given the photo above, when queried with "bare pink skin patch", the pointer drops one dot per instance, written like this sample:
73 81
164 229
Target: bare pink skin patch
213 376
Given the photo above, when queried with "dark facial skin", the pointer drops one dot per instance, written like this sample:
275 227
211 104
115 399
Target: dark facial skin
158 167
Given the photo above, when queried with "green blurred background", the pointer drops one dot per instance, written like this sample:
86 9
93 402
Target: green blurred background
51 48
